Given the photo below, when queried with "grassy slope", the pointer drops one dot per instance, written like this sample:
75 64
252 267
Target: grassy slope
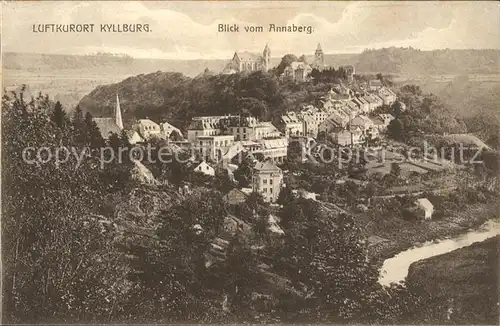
465 280
405 234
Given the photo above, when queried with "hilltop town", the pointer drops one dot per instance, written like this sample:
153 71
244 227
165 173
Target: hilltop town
348 117
260 193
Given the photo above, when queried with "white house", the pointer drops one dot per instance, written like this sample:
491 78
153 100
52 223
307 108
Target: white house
347 138
291 125
134 137
204 168
423 208
167 129
267 180
147 128
387 95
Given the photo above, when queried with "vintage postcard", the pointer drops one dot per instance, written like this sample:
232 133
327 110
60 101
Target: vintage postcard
250 162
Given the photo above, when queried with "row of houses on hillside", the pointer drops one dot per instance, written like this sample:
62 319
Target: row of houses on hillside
219 138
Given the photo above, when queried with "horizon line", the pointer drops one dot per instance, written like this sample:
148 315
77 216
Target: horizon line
229 57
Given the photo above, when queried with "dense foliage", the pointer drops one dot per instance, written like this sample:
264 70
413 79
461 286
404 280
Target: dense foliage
58 261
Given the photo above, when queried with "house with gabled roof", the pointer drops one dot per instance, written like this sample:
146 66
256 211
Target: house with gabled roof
167 129
204 168
423 209
235 197
291 125
333 123
267 180
147 128
134 137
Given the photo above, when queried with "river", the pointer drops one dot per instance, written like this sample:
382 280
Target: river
395 269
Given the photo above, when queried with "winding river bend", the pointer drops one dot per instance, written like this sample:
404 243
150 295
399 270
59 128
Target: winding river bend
395 269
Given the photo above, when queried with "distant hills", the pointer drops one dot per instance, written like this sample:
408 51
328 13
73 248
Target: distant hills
410 61
93 80
403 61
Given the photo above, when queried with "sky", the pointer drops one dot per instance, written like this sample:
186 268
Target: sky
187 30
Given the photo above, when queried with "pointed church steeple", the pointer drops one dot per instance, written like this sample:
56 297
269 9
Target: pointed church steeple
267 49
118 113
319 59
267 57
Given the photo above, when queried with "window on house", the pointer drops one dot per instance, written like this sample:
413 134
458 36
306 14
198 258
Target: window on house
264 181
270 181
271 190
264 190
207 167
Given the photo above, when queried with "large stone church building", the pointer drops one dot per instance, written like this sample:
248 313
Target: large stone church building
250 62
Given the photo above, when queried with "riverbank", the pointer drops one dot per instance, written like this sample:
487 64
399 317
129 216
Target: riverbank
417 233
464 282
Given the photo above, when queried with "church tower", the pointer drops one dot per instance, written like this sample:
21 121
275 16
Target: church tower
118 113
267 57
319 59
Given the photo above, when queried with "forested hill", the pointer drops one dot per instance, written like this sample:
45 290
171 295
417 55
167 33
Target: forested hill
173 96
404 61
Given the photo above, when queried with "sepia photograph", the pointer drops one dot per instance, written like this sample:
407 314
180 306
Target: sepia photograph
250 162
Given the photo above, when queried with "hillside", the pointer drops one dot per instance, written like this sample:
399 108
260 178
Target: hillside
409 61
173 96
402 61
465 279
68 78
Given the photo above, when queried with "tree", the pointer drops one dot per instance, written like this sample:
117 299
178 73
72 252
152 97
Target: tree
59 116
78 123
253 107
61 263
411 89
397 108
294 152
286 196
316 75
255 201
395 129
285 62
395 170
222 181
244 173
241 274
93 133
325 253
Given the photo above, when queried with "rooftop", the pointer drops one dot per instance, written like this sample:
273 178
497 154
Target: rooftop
425 203
107 126
147 122
248 56
266 166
